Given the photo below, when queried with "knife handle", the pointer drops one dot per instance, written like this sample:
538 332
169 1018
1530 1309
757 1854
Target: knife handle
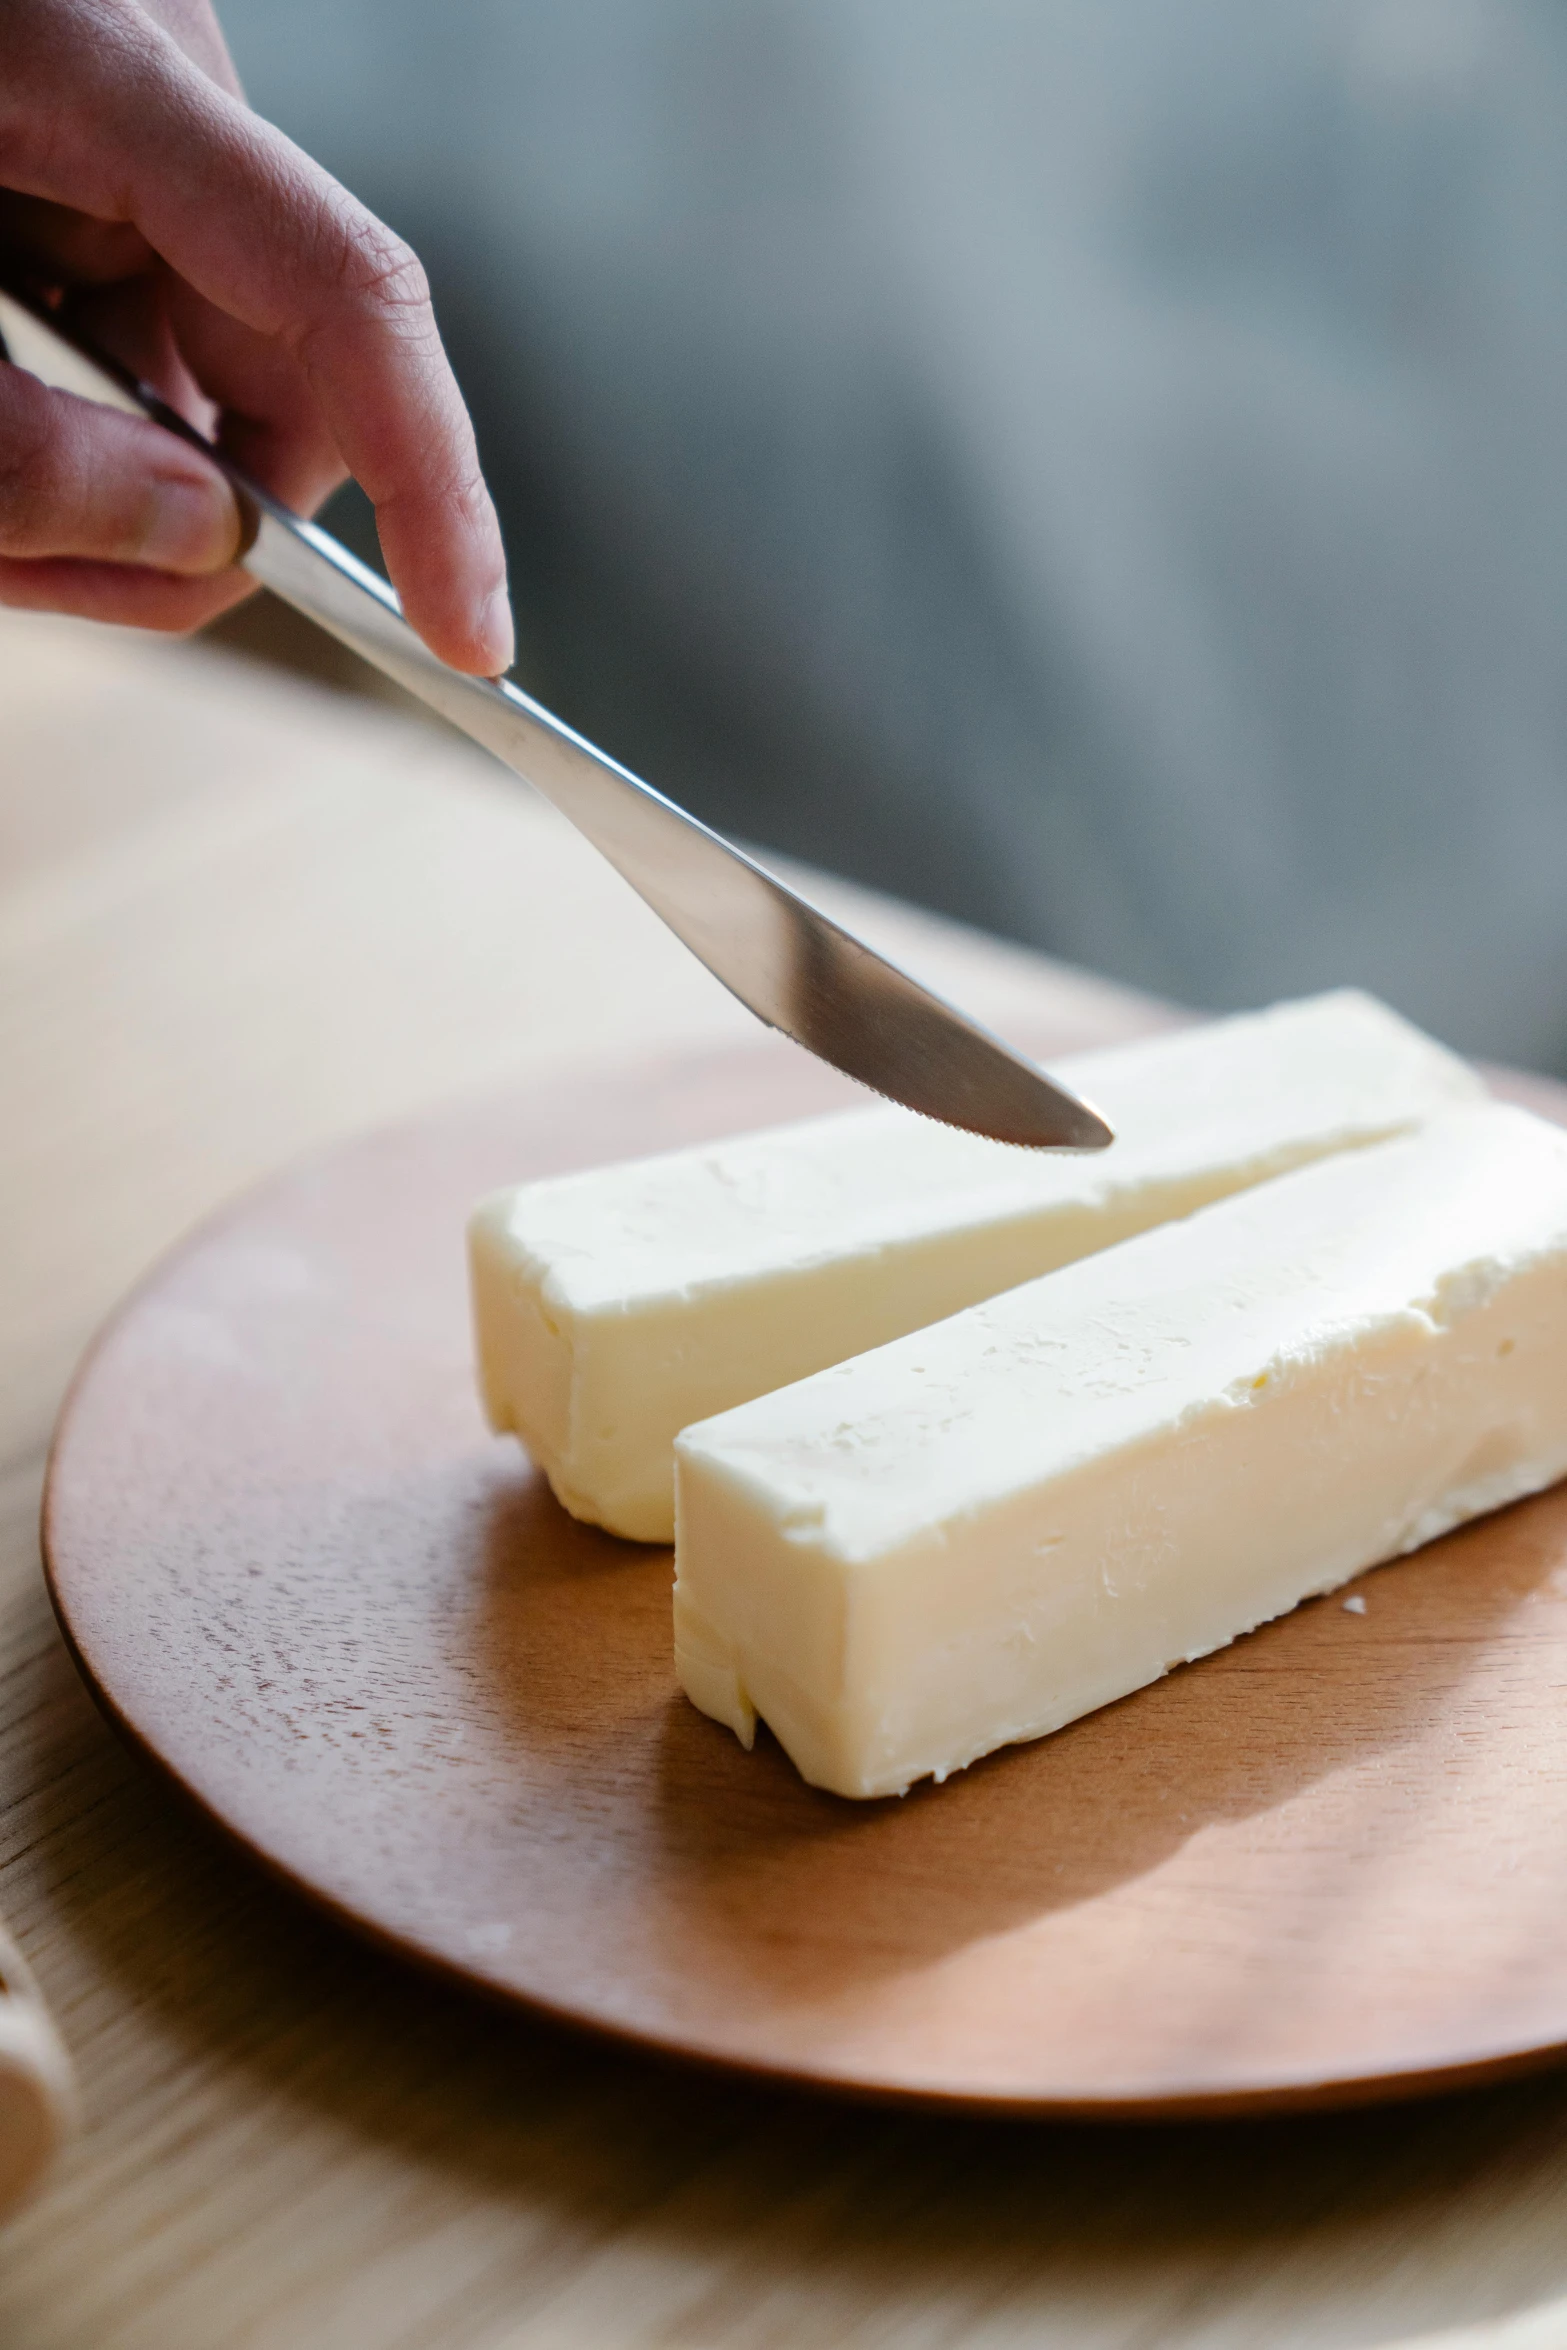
300 562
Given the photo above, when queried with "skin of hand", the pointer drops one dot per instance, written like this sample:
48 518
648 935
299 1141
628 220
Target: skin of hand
264 303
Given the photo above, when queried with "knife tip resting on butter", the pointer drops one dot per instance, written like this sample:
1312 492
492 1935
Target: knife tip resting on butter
977 1440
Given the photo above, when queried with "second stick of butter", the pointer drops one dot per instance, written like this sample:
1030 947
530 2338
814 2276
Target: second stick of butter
991 1527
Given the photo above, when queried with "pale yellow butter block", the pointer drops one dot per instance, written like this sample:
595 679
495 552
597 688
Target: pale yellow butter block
984 1530
613 1308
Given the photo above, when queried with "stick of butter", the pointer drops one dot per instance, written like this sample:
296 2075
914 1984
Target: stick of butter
990 1527
614 1308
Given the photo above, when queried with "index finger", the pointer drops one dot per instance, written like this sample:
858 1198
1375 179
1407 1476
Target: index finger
128 129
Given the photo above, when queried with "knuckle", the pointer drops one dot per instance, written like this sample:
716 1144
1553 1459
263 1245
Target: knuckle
379 270
448 481
461 485
362 271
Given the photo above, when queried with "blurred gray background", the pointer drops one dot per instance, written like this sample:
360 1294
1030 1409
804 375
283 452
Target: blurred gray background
1100 470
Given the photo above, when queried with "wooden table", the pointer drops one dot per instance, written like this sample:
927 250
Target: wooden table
240 917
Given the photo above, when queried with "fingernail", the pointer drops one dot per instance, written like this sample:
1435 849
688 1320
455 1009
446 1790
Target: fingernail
497 634
192 526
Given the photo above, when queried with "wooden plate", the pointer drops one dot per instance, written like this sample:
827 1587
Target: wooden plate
1329 1863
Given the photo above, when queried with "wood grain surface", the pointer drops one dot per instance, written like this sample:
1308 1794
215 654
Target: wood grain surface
1322 1864
238 922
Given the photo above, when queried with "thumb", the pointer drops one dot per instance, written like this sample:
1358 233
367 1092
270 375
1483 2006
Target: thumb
80 480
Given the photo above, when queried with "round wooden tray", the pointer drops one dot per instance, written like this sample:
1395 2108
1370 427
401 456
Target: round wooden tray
1330 1863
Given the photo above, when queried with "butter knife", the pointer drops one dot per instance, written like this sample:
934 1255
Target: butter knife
791 965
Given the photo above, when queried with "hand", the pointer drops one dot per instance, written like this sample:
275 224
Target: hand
260 299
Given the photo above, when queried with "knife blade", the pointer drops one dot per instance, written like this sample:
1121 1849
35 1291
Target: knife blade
789 963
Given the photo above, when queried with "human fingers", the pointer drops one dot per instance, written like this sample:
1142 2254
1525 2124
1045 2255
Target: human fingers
222 377
269 420
128 595
79 480
264 235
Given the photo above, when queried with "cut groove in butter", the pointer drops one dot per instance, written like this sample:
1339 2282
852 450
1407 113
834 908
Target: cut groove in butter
615 1307
982 1531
